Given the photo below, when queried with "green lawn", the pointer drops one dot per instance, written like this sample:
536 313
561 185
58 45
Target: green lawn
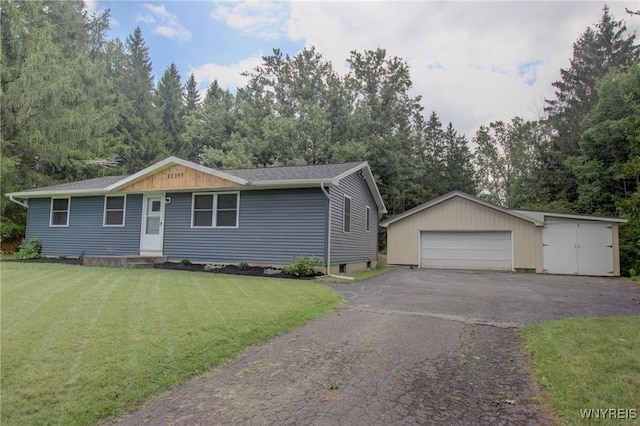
588 363
80 345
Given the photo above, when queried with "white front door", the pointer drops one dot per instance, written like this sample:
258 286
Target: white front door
152 224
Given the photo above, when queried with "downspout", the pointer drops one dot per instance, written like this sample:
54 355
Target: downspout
18 202
329 238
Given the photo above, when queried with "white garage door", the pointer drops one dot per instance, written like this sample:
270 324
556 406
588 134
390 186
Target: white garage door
577 248
466 250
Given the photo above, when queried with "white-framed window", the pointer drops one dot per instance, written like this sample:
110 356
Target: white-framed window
346 214
367 219
114 210
215 210
60 211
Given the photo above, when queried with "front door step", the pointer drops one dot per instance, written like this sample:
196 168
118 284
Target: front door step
123 261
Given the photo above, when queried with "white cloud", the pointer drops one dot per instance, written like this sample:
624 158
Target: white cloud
91 5
472 62
167 23
263 19
228 76
146 19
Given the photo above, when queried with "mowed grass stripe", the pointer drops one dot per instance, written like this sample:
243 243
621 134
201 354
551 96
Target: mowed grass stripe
98 342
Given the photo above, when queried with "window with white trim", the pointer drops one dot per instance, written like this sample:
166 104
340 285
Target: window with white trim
60 212
114 209
346 214
367 219
218 210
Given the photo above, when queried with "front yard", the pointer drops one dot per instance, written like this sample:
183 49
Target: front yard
80 345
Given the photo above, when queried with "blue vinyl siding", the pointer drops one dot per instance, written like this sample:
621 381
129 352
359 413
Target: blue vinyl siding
358 245
85 233
274 226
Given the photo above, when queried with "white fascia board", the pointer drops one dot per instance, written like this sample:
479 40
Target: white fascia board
171 161
586 217
69 193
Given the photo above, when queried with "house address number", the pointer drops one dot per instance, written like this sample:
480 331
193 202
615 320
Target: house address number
175 175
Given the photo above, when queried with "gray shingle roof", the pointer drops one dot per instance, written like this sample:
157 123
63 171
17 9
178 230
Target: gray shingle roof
313 172
264 174
89 184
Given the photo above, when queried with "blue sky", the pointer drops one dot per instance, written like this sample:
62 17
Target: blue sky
472 62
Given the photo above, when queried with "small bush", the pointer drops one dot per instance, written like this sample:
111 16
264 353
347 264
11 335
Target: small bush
185 262
213 266
243 266
272 271
81 257
29 250
62 257
304 266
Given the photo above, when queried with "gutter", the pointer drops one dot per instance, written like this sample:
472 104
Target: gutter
329 274
20 203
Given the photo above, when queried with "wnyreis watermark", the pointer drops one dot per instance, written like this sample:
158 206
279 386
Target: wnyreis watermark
609 413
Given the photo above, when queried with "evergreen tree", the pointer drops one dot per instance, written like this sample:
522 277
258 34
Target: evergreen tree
169 102
458 170
598 50
192 97
139 129
54 107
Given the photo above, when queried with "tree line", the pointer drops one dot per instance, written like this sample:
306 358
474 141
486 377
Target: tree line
76 105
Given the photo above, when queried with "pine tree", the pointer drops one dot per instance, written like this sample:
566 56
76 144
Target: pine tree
192 97
458 170
169 102
598 50
139 130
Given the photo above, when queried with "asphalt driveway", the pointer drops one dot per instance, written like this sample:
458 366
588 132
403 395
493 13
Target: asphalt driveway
409 347
502 299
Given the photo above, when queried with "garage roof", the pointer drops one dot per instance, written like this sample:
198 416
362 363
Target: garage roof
542 215
533 216
469 197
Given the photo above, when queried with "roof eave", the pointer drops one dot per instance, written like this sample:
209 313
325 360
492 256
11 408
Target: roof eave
290 183
61 193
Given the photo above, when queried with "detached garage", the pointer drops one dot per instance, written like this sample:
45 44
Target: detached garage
460 231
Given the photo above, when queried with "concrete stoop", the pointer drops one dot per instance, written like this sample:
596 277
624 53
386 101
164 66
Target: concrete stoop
135 262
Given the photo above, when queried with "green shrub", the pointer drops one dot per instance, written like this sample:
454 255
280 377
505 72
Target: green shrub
243 266
29 250
272 271
213 266
185 262
304 266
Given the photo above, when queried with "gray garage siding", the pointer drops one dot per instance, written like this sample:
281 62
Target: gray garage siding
359 245
85 233
274 227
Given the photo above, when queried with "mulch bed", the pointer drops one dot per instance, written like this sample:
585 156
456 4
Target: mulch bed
253 271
